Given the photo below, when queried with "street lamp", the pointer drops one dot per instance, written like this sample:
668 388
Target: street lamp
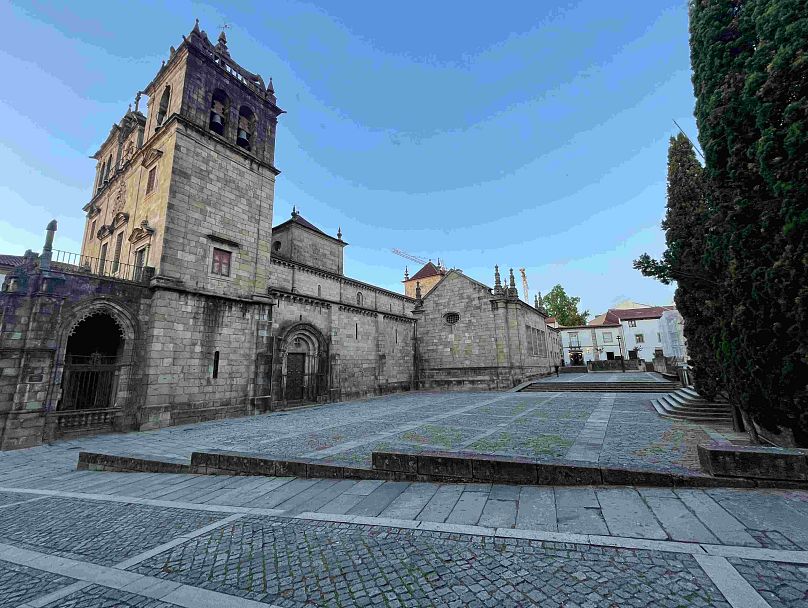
620 346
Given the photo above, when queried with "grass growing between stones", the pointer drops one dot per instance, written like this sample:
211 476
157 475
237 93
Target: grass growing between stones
434 435
548 445
487 444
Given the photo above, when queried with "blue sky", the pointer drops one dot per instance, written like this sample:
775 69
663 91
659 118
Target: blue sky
530 136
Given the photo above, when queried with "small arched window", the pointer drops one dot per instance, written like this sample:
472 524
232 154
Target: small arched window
319 291
246 127
451 317
276 246
359 298
109 168
163 108
218 111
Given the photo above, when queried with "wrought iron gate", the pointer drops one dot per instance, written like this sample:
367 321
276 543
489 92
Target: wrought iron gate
89 382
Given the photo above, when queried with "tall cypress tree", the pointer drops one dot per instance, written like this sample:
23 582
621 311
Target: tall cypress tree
750 78
683 262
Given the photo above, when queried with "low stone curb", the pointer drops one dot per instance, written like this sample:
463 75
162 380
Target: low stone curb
430 466
757 462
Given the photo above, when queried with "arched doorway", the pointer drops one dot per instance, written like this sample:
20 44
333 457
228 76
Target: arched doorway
92 364
304 362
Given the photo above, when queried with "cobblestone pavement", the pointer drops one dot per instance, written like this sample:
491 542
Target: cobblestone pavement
81 538
315 563
542 426
782 585
19 584
86 539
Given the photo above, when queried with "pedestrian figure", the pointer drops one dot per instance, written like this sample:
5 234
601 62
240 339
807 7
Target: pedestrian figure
556 368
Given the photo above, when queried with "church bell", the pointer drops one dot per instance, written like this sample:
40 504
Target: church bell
243 139
216 123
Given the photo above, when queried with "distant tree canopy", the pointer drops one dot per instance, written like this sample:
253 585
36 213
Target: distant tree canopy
564 308
736 237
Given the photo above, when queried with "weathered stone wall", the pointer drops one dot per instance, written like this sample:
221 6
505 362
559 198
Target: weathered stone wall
306 246
186 331
487 348
369 353
218 199
36 319
474 341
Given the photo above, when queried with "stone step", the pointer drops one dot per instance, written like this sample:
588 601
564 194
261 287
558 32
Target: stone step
725 419
686 399
673 404
683 406
602 387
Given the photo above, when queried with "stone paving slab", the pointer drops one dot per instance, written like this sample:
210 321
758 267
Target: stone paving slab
97 596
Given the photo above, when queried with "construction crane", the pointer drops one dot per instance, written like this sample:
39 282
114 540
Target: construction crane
409 256
524 285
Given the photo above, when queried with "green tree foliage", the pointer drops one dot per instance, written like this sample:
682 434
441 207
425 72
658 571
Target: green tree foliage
750 78
682 262
564 308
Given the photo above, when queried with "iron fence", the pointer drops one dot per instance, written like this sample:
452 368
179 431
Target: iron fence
105 267
89 382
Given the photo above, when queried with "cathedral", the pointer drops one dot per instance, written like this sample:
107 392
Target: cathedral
186 303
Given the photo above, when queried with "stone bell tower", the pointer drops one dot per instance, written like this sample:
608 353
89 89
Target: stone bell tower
212 126
190 192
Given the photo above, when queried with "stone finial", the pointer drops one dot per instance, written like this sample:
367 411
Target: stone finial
196 26
512 281
223 39
47 249
539 301
497 279
294 211
536 302
271 87
339 233
406 273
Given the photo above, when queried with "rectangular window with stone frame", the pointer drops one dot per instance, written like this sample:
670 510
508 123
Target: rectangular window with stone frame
639 338
141 257
102 260
220 264
151 180
116 256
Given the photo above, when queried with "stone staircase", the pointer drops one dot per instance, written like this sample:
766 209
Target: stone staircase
601 387
687 404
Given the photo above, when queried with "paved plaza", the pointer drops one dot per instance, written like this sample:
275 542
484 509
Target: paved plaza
612 429
81 538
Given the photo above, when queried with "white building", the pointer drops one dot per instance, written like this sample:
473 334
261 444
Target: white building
586 343
641 328
673 335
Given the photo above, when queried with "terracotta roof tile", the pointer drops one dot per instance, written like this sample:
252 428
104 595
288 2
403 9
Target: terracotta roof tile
11 260
429 270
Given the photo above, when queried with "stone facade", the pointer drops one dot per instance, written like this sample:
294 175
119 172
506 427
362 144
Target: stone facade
185 303
472 336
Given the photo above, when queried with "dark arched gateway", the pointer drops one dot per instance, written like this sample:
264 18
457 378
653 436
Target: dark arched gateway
92 361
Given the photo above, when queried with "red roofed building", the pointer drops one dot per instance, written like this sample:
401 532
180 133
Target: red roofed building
427 278
642 329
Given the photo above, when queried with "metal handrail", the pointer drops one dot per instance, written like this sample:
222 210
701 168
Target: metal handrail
85 264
